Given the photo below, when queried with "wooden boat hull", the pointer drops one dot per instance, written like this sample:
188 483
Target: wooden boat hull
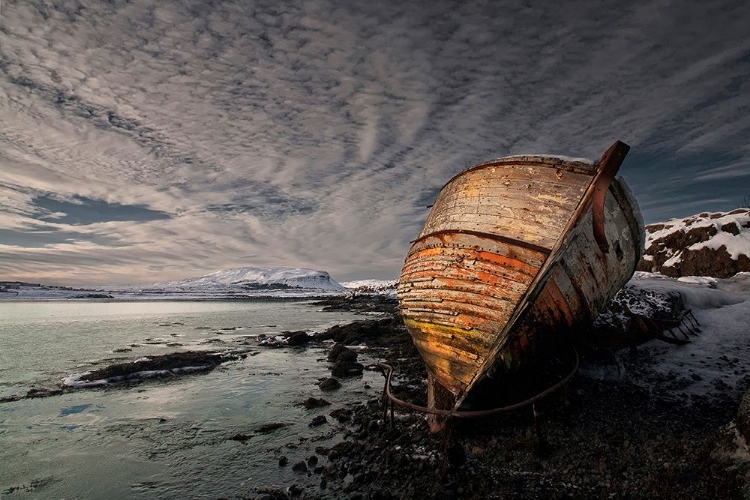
514 253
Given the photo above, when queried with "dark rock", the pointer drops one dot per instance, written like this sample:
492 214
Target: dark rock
674 247
335 351
731 227
241 437
93 296
347 369
347 356
344 449
355 332
298 338
743 417
341 414
318 421
299 467
312 461
42 392
265 429
329 384
173 361
283 461
382 495
294 490
311 403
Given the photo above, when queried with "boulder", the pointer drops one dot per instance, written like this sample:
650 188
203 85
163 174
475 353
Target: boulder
311 403
318 421
707 244
347 369
298 338
329 384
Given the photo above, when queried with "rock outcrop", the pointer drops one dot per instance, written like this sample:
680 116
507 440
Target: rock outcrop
707 244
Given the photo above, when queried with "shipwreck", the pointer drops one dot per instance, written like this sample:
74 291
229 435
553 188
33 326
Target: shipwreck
515 254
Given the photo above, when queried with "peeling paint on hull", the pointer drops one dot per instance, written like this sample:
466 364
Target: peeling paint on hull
511 257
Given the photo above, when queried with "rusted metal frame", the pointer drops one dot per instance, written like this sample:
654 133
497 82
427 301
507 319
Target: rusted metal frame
388 397
494 237
544 272
609 164
692 320
656 328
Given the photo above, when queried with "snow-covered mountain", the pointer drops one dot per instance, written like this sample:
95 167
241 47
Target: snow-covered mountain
254 279
708 244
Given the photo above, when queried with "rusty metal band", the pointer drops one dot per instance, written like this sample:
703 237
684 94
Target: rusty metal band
494 237
387 396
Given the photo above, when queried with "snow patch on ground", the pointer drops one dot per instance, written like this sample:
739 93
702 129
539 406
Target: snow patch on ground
716 363
372 286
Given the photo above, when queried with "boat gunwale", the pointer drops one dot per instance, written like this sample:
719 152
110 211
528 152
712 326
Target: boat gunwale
556 162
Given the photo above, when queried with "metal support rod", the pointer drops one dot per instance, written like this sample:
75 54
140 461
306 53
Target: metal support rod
388 372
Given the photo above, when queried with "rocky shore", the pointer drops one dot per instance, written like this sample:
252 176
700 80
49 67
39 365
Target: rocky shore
602 439
606 436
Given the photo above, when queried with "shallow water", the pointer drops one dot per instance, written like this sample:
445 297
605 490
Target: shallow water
160 439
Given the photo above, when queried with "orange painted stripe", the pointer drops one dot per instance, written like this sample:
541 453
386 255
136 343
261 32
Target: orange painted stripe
485 256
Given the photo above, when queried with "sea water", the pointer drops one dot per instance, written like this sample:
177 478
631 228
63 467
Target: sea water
163 438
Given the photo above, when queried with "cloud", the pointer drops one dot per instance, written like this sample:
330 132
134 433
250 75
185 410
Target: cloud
182 137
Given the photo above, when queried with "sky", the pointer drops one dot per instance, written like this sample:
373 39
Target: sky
142 141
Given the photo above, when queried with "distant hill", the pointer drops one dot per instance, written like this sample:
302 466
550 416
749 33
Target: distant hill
254 279
707 244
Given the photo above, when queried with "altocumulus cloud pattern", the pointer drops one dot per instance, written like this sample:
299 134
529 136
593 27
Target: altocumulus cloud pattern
142 141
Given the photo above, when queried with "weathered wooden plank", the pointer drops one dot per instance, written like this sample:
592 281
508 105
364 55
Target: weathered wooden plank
481 310
518 259
490 202
474 262
457 247
484 283
469 347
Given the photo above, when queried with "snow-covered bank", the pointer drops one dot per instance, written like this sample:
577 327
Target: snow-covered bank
706 244
716 362
374 287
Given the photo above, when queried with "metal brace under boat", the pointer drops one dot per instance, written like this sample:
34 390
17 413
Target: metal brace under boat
672 330
392 401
